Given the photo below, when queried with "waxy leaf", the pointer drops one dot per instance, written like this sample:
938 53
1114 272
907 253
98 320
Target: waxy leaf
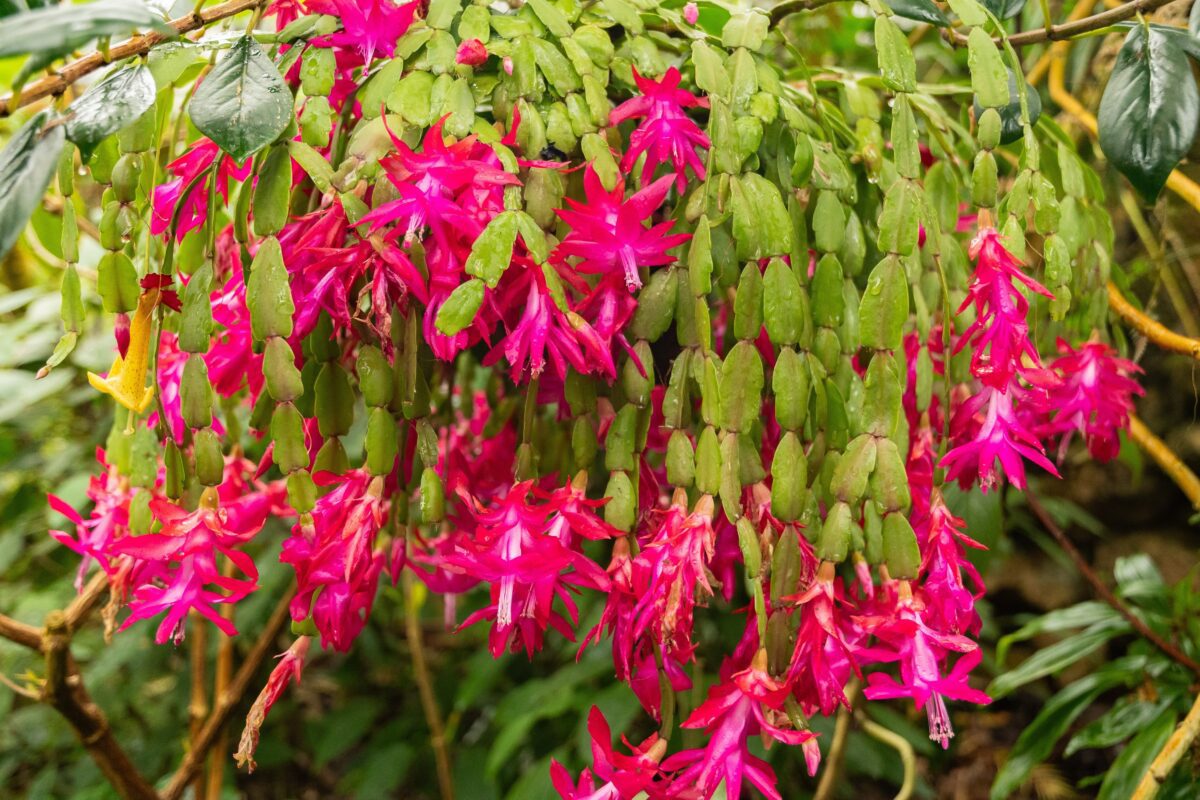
26 166
492 251
920 10
460 307
109 106
1005 9
1150 109
243 105
55 31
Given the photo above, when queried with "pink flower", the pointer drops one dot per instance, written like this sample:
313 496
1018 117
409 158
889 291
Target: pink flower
337 566
193 164
745 704
1094 399
285 12
538 327
232 362
999 337
607 232
368 26
109 520
625 776
666 133
172 568
287 671
907 638
691 13
1001 437
822 660
945 569
525 552
471 53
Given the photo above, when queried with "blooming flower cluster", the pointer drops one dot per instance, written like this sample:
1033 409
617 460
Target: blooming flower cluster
550 332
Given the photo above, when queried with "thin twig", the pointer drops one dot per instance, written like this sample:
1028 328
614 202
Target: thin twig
82 605
1176 747
1073 28
216 764
21 633
433 715
224 704
1153 330
837 746
198 701
57 83
1103 591
1166 459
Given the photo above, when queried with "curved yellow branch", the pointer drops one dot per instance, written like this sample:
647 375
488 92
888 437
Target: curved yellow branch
1166 459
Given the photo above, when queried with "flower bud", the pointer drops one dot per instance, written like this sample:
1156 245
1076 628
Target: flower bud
834 543
279 368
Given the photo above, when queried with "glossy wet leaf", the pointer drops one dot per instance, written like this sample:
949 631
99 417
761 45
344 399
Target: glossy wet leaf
109 106
26 166
1150 109
920 10
57 30
243 105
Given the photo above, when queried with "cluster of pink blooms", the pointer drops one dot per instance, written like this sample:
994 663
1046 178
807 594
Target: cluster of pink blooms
526 539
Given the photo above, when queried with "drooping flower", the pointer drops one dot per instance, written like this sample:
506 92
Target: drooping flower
823 657
287 671
1001 436
107 522
369 27
173 568
193 169
1094 399
624 776
539 328
945 570
745 704
906 637
666 133
607 233
517 548
999 336
336 563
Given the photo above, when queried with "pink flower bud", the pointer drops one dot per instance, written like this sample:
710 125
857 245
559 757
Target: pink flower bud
472 52
691 13
508 65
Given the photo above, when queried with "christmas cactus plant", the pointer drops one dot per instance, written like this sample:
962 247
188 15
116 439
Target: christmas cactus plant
535 305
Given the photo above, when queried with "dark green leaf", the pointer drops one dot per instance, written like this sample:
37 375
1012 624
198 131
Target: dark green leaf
1150 109
1057 656
243 105
55 31
26 166
1117 725
1063 619
1038 739
1127 771
1010 115
109 106
921 11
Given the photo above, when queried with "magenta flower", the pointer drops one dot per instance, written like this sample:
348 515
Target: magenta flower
999 336
108 521
287 671
907 638
666 133
1001 437
538 327
368 26
945 570
232 362
745 704
624 776
193 164
1094 399
691 13
173 568
526 558
607 233
822 660
336 563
